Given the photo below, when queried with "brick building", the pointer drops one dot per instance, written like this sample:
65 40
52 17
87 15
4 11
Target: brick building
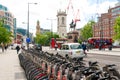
105 23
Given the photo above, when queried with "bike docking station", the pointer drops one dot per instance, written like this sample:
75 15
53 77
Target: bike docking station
46 66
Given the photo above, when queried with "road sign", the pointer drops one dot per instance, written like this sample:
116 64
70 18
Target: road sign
27 40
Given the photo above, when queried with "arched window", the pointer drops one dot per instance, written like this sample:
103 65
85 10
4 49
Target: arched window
62 34
58 20
63 20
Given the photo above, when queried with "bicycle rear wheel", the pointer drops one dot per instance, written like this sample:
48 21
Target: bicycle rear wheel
114 78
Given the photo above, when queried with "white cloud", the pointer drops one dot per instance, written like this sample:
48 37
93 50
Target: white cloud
48 9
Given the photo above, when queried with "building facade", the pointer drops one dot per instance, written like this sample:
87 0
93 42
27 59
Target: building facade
40 30
8 18
61 24
104 26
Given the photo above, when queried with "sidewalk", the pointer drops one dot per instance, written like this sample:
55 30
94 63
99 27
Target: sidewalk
114 51
10 68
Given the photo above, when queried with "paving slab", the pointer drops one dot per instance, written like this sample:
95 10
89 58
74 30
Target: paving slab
114 51
10 68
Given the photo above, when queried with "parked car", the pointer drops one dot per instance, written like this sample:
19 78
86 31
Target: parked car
73 50
13 46
38 47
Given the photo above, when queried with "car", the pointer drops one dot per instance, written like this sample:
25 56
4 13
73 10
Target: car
73 50
38 47
13 46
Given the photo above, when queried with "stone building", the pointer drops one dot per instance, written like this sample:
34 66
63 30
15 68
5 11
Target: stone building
61 24
38 28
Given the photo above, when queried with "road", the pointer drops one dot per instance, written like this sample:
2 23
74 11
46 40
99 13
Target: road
104 59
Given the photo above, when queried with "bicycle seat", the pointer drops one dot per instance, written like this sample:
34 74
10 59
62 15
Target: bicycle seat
98 72
88 72
112 69
110 65
92 63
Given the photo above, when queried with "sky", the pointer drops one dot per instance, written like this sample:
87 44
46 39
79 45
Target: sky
45 10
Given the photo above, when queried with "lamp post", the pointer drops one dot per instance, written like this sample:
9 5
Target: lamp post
51 25
28 25
16 34
101 35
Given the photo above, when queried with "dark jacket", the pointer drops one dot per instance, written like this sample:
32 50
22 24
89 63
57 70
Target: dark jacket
17 48
83 46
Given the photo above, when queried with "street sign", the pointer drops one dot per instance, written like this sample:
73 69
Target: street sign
27 40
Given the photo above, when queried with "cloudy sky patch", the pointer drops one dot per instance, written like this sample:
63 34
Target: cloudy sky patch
48 9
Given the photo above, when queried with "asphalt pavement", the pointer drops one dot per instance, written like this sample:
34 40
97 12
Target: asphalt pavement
114 51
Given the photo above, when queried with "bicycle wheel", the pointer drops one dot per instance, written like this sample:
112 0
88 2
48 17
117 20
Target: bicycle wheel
114 78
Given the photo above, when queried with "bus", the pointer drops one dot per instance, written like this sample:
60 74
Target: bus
101 43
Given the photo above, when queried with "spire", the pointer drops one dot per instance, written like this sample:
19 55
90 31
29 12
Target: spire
38 27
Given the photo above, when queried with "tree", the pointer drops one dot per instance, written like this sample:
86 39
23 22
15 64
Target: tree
55 35
44 39
41 39
5 35
87 31
117 29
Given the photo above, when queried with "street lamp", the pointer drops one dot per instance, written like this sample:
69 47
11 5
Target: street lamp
51 25
26 28
28 24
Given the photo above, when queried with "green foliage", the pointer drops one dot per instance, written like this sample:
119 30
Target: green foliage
5 35
44 39
41 39
79 41
117 29
55 36
87 31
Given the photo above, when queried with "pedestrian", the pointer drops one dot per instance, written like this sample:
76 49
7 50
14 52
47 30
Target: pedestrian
56 46
6 47
2 45
84 48
17 48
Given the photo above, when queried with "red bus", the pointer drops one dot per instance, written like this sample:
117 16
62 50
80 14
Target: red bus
98 42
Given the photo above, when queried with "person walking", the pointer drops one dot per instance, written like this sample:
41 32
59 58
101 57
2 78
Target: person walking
2 45
17 48
84 48
56 46
6 47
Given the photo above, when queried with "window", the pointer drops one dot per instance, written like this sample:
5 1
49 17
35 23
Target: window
62 34
75 46
65 47
58 20
69 37
63 20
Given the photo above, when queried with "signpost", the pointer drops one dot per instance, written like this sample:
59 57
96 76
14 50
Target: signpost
28 41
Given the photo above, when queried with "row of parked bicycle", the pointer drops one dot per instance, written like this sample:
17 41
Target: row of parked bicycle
46 66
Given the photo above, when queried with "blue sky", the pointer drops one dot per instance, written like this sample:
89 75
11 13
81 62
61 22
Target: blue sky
48 9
